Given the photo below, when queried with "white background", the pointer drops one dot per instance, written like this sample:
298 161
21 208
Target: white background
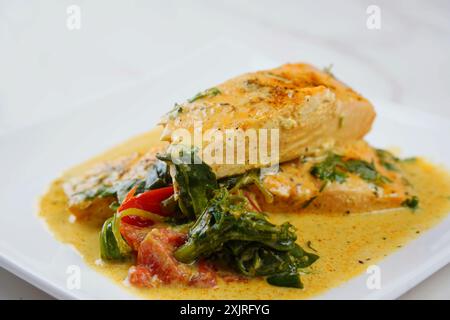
47 69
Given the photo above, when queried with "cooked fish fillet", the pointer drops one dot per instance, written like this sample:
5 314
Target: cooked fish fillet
311 109
295 189
83 191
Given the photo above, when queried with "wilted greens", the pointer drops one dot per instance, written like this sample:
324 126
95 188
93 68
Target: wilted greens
247 241
227 219
280 267
195 180
251 177
335 168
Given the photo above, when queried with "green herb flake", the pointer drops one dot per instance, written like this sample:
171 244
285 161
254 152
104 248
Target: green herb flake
366 171
212 92
309 245
387 159
334 169
308 202
331 169
412 203
175 112
409 160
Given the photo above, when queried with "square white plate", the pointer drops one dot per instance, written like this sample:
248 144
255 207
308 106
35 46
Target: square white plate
31 158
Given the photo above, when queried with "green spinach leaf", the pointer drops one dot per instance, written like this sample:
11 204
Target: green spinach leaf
226 219
195 180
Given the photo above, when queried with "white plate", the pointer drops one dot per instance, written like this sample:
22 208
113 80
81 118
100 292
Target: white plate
32 157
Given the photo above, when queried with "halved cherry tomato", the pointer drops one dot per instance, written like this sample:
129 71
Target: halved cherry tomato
148 201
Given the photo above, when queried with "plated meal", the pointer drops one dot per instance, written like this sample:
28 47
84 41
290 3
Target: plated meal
262 187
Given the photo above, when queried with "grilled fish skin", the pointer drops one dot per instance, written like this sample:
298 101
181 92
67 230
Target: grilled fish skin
311 109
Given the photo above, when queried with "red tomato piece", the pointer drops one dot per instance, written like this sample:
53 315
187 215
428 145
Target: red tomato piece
205 277
156 263
133 235
155 253
137 221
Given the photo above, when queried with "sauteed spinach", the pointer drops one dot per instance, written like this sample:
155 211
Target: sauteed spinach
227 219
225 227
194 179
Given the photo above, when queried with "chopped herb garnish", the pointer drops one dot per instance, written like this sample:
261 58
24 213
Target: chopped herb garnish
412 203
308 202
309 245
366 171
387 159
176 110
118 190
331 169
207 93
335 168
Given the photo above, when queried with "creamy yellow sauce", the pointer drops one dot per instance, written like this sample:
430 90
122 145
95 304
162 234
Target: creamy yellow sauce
346 243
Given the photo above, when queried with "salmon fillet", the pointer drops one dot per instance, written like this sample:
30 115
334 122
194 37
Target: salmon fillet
296 189
311 109
85 198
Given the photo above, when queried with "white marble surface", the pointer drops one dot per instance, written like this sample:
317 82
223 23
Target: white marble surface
46 69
